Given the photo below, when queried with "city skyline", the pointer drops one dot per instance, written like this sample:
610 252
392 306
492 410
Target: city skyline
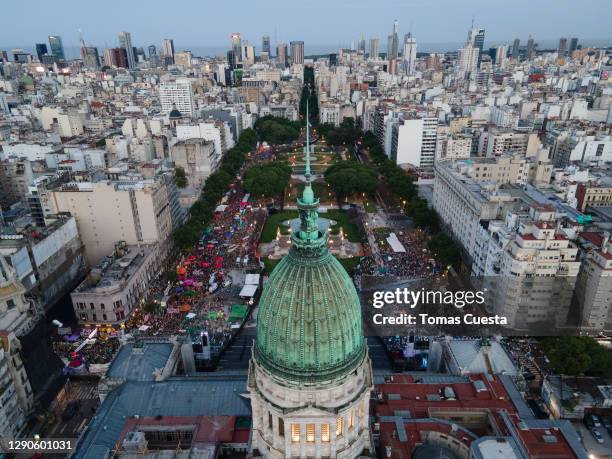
413 16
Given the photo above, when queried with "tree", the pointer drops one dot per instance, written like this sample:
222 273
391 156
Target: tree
422 216
267 180
445 249
578 355
277 130
349 177
180 178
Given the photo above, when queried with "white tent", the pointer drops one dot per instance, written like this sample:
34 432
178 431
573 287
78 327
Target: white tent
251 279
221 208
248 291
395 243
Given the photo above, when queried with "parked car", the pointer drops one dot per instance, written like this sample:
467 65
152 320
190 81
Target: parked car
597 436
596 421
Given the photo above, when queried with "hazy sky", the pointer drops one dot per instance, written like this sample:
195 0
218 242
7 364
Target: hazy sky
317 22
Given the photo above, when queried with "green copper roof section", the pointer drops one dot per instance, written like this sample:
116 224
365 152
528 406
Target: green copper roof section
309 321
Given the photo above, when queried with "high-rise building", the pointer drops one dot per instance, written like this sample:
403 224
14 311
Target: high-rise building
530 48
41 50
177 95
562 49
168 50
310 375
125 42
237 47
414 141
410 54
265 44
516 47
153 57
282 54
57 47
395 40
248 53
467 61
362 44
388 54
297 52
573 46
476 38
374 48
116 57
91 59
500 54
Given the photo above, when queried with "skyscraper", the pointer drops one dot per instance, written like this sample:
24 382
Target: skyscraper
153 57
410 54
562 50
389 47
467 61
57 47
168 50
281 54
476 38
516 46
265 44
125 42
237 47
41 50
530 48
310 374
248 53
395 40
362 44
297 52
115 57
573 46
374 48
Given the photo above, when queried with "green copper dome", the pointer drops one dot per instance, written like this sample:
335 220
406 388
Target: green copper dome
309 321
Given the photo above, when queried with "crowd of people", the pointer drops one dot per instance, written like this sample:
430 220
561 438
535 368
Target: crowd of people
416 262
192 298
195 295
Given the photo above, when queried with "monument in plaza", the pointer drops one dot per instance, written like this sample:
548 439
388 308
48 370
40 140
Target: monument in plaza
310 376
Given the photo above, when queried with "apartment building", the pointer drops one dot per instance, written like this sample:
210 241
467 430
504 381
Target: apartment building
462 203
529 268
47 260
414 141
116 285
496 142
593 195
594 289
177 95
197 157
120 207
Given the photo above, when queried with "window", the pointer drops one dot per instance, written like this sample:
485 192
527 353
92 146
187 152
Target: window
104 317
325 433
339 427
351 420
310 433
10 304
281 427
102 305
295 433
269 420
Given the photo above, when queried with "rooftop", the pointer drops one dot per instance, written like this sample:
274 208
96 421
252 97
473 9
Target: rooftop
139 364
170 398
115 270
